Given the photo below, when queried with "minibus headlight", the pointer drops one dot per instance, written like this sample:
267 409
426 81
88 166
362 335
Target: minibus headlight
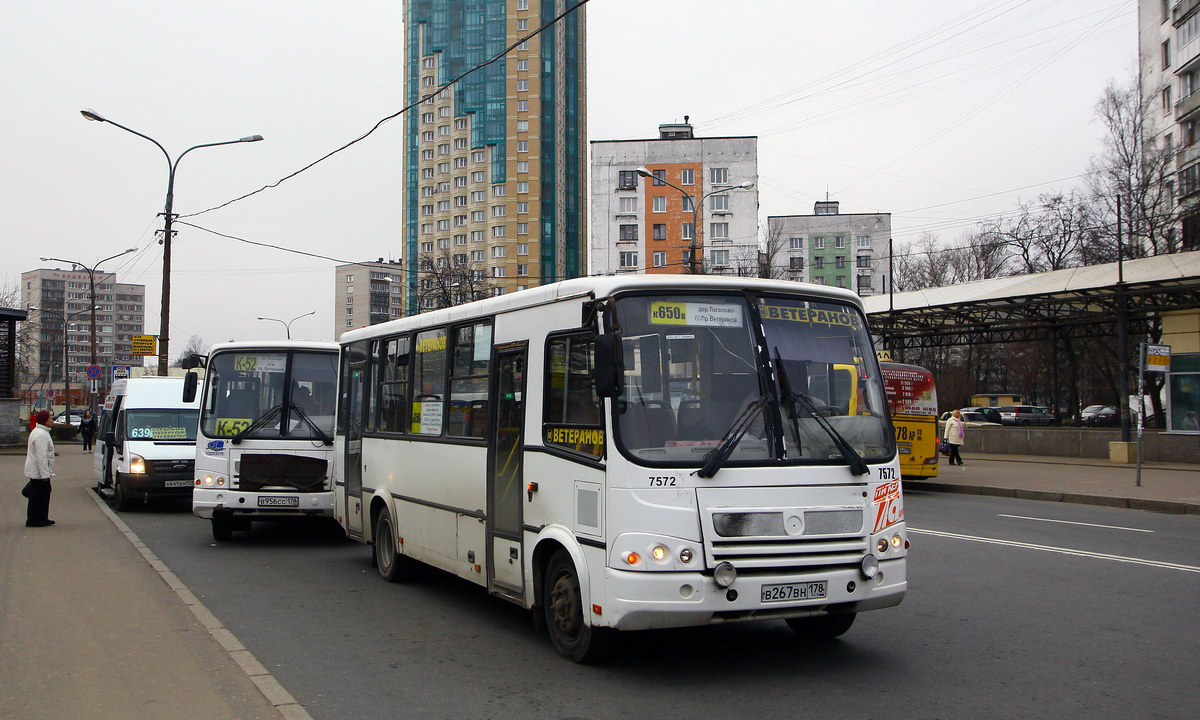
137 464
724 574
896 541
685 555
882 545
659 553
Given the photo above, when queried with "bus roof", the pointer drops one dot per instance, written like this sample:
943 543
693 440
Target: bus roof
595 286
274 345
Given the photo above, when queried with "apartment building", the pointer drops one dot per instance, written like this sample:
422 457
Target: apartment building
831 248
1169 62
495 165
367 293
67 295
649 224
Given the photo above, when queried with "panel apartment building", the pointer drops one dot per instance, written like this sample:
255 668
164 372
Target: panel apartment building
367 293
495 165
1169 62
830 248
641 224
60 294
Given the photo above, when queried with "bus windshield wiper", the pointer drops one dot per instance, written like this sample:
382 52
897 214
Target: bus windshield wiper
304 416
785 391
718 455
849 454
261 421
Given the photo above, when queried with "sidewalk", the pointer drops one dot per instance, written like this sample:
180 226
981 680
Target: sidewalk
1166 487
88 628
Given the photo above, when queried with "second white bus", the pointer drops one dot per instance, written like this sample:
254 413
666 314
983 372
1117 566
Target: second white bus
264 449
631 452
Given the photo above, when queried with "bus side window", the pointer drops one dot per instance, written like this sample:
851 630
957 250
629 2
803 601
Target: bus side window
570 392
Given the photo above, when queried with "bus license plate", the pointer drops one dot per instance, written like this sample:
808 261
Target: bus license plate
177 483
793 592
275 501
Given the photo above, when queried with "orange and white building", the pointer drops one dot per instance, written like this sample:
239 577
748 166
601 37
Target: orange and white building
645 225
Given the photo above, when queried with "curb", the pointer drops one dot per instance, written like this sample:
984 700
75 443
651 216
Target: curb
287 706
1163 506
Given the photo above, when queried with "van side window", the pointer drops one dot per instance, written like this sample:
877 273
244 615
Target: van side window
429 376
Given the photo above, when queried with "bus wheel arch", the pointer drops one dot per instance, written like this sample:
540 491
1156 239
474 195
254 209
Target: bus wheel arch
566 613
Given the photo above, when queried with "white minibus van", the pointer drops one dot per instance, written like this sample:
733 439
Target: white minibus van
146 445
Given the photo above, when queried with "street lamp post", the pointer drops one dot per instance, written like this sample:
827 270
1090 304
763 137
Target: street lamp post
66 364
288 324
91 271
168 218
693 246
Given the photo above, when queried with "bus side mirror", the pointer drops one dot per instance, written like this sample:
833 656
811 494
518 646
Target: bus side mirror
110 438
610 366
190 381
192 361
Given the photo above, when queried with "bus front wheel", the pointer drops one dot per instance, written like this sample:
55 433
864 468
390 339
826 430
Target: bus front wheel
822 627
222 527
562 603
392 566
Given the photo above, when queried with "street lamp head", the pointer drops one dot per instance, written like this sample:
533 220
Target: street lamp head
746 185
91 114
251 138
260 317
644 172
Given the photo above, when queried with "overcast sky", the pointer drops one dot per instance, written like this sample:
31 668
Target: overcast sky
941 112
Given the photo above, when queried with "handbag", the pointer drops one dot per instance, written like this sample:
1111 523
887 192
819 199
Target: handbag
26 490
944 447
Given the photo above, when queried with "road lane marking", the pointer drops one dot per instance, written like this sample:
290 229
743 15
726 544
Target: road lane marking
1062 551
1072 522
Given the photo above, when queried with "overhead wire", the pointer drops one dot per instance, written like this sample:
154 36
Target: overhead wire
443 88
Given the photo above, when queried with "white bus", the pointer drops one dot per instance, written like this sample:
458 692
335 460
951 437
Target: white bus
264 448
630 452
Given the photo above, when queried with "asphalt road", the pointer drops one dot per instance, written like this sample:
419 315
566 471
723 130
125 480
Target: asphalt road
1015 609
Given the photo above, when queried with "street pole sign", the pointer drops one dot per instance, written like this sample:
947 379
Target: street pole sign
143 345
1154 358
121 372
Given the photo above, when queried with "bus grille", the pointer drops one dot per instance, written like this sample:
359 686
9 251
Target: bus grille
760 541
170 469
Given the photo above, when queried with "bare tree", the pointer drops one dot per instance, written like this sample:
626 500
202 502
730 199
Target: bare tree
1136 168
27 335
448 280
195 346
773 262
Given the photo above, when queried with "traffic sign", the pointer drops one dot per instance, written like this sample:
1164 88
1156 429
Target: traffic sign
120 372
143 345
93 372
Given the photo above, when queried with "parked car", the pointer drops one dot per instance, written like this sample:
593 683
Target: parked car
1098 415
1025 415
990 413
61 418
971 418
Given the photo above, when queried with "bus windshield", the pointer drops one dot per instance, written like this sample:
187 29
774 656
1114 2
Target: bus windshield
276 394
695 368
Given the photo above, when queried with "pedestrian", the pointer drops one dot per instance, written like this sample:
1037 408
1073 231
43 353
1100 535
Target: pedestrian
32 419
87 428
39 468
954 436
1189 421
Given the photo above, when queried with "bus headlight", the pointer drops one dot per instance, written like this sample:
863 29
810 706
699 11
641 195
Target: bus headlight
137 464
659 553
724 574
214 481
897 540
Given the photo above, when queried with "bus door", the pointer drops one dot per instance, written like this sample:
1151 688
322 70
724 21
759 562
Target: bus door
354 415
505 479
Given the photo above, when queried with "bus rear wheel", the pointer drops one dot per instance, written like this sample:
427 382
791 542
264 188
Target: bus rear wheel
822 627
392 566
562 603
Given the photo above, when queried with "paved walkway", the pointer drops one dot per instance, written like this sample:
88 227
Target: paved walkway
92 624
1165 487
90 629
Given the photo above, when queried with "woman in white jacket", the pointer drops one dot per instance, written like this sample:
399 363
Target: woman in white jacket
954 436
39 467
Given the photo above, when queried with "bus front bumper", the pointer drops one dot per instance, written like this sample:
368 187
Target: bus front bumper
264 503
646 600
